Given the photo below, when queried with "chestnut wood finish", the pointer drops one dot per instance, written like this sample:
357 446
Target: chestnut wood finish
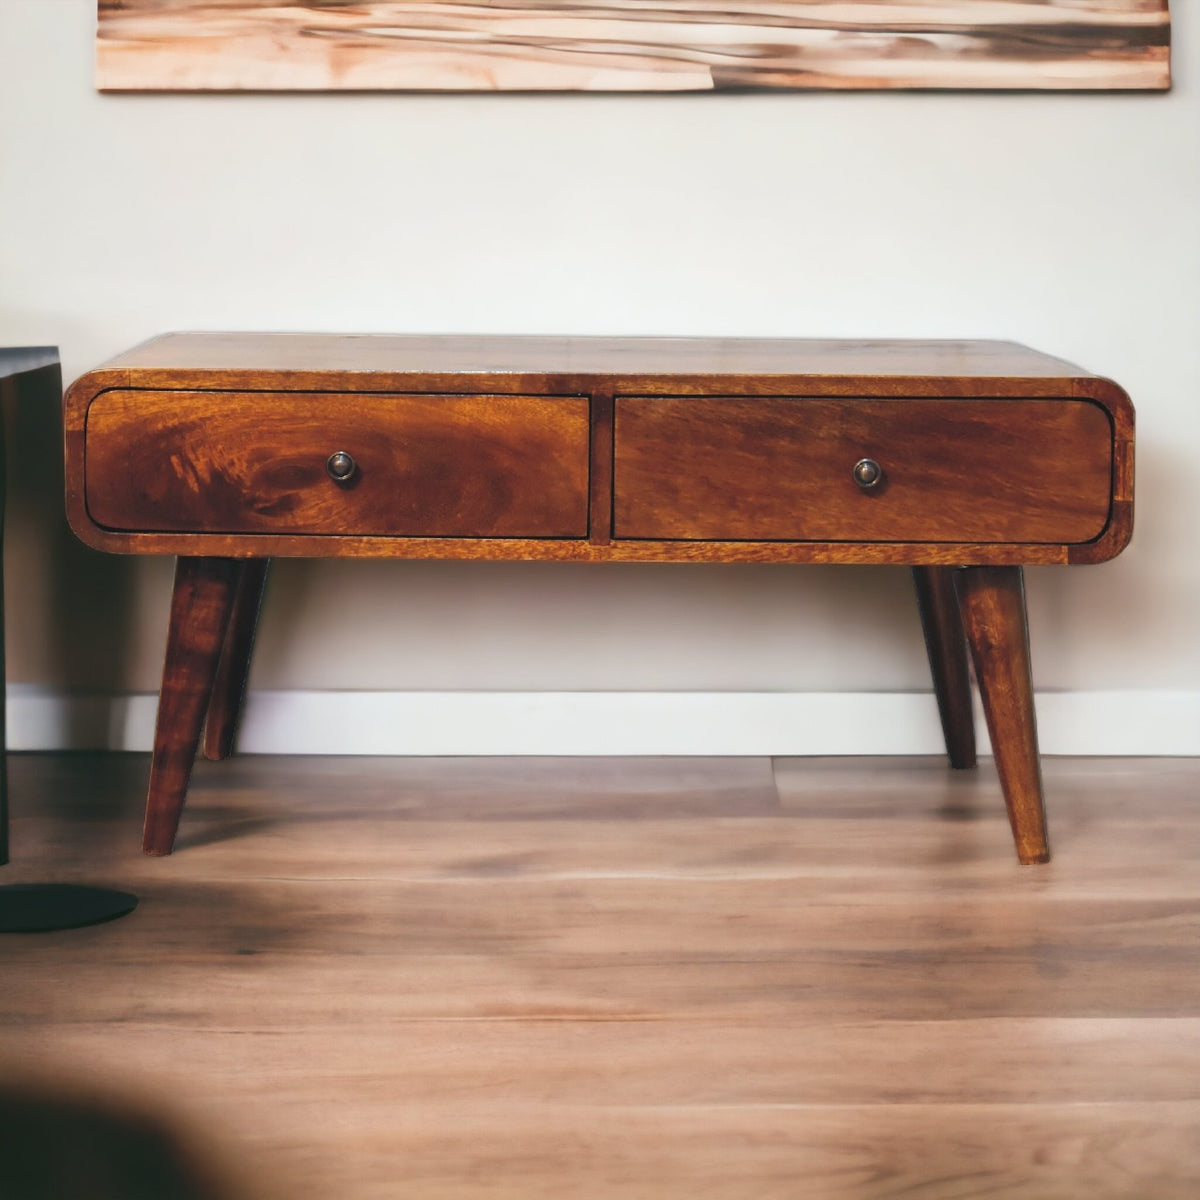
233 667
449 466
347 365
201 606
601 449
992 601
946 645
362 362
953 470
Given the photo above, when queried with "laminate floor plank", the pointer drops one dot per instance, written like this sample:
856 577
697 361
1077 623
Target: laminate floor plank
628 950
706 1062
655 978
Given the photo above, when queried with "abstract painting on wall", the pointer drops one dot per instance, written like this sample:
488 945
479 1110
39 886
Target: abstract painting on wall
631 45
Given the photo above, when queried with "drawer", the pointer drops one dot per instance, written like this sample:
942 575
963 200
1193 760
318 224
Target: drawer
781 469
255 462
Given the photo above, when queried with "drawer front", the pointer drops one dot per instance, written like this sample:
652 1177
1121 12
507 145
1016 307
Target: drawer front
255 462
781 469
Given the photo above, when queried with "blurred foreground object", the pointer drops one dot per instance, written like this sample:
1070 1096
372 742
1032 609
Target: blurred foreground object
59 1146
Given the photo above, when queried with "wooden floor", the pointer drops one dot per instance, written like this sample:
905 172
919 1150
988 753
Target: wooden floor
728 979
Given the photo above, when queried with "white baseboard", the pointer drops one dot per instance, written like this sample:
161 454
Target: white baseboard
609 723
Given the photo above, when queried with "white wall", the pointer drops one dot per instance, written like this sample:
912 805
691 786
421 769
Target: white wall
1071 223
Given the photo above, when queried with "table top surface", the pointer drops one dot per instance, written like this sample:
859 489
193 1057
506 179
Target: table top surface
18 360
281 353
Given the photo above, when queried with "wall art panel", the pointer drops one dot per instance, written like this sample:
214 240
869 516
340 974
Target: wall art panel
630 45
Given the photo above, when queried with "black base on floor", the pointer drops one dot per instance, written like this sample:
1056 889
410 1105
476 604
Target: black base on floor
42 907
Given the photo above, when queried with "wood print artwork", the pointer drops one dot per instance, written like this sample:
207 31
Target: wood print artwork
631 45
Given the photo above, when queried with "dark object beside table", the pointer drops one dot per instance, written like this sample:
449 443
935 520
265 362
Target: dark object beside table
40 907
961 460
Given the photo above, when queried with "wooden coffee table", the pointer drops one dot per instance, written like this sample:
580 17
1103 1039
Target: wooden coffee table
961 460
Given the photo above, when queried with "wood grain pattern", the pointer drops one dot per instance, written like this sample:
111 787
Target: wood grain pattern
625 45
946 647
589 978
577 550
596 368
759 469
233 668
201 605
443 466
600 507
355 362
978 468
992 601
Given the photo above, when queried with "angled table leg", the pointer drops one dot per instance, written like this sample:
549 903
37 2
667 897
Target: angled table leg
200 608
992 600
233 670
946 645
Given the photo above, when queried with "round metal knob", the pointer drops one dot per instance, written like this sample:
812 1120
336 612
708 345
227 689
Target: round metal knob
340 466
867 473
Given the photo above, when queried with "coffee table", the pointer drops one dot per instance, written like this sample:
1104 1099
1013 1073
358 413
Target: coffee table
961 460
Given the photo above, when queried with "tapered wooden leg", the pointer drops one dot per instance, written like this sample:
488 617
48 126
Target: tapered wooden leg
946 644
992 601
233 669
200 608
